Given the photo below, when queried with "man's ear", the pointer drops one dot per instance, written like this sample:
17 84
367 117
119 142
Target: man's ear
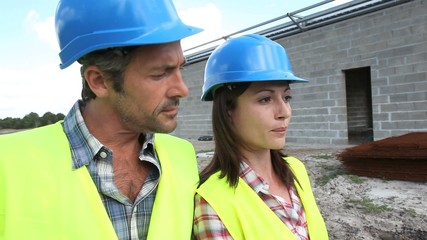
95 79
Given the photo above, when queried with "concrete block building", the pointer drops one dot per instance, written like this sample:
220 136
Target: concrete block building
366 62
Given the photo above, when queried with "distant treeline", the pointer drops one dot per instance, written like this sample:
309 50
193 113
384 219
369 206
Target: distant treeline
31 120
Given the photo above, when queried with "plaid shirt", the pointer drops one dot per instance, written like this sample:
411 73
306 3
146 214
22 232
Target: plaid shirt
130 219
208 225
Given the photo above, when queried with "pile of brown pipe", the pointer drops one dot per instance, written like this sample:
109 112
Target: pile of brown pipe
394 158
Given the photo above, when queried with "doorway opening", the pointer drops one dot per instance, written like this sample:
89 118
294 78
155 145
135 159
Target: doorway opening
359 105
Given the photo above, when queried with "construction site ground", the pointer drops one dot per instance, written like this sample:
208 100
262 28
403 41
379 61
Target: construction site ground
355 207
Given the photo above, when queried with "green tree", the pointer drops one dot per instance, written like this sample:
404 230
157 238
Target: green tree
59 116
6 123
47 118
31 120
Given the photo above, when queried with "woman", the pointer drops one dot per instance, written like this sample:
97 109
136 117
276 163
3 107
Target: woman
250 189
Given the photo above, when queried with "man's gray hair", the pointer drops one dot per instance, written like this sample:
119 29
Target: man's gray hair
112 62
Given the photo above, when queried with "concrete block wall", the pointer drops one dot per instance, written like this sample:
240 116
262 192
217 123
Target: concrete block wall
392 42
194 118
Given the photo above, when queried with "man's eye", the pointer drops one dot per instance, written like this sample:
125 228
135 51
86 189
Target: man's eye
159 75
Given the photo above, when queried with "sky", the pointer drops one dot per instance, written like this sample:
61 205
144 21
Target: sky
31 80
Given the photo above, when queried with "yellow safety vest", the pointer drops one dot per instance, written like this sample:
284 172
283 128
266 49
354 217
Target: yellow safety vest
42 197
246 216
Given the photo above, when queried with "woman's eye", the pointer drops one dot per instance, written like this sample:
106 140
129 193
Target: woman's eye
265 100
287 98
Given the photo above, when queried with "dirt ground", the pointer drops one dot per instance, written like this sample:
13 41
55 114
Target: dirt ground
354 207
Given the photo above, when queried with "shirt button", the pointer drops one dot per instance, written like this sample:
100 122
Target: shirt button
103 154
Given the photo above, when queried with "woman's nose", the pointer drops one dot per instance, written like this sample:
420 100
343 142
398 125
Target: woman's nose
284 110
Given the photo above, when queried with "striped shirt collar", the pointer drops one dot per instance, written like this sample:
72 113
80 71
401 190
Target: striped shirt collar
83 144
256 182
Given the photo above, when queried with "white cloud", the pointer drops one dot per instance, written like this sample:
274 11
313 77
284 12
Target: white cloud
41 89
208 17
43 28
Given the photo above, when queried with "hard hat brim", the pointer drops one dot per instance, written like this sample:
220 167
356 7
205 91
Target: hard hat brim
222 79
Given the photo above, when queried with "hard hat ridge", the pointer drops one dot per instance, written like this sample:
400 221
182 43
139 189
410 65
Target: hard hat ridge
247 58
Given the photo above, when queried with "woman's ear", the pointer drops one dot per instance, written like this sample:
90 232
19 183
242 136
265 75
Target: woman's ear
95 79
230 115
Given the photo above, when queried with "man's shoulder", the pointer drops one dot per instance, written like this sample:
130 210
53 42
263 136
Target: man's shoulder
165 137
38 134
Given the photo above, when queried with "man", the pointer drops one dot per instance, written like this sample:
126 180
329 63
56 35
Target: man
108 170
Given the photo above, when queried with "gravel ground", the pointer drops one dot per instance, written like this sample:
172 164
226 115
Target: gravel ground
355 207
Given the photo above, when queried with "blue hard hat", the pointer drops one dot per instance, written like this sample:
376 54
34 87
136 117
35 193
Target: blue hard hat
83 26
247 58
